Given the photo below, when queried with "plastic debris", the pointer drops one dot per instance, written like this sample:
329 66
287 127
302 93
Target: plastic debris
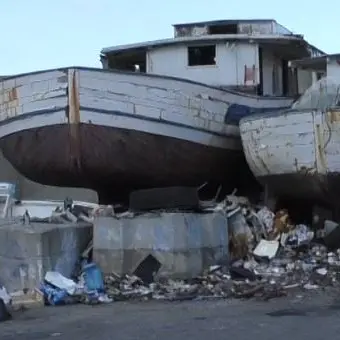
5 296
93 277
59 290
61 282
322 271
270 257
267 218
54 296
266 249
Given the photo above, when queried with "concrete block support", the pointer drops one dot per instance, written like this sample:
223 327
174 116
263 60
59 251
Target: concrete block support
184 243
28 251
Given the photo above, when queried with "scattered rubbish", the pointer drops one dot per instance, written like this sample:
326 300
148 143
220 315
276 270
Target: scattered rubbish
310 286
214 268
267 218
5 296
300 235
269 256
59 290
266 249
322 271
93 277
59 281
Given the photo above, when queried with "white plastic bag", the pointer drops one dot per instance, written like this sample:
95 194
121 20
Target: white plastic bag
5 296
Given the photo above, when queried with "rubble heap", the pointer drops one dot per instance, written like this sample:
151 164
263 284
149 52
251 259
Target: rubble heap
269 257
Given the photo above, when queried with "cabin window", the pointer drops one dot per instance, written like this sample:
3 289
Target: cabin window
223 29
202 55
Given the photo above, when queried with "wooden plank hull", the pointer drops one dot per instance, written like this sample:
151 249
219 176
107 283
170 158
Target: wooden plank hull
295 153
116 131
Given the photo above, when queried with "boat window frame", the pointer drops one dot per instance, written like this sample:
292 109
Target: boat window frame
200 46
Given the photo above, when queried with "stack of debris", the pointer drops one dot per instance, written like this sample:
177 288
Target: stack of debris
70 212
269 257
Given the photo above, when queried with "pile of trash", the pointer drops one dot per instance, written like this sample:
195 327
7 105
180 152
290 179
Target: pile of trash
215 285
264 279
67 212
89 288
269 257
267 248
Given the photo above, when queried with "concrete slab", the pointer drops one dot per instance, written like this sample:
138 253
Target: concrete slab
28 251
184 243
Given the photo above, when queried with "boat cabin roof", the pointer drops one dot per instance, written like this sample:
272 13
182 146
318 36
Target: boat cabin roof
315 63
247 30
224 22
139 47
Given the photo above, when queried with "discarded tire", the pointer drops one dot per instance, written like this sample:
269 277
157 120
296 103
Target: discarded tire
164 198
4 313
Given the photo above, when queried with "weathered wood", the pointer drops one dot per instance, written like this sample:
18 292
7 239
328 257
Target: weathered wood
117 131
296 153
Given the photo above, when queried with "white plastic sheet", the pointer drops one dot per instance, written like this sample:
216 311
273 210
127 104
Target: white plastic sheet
60 281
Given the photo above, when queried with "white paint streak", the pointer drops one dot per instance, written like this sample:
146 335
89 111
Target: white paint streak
69 253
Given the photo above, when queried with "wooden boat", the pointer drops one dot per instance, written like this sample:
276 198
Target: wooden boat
296 152
116 131
174 121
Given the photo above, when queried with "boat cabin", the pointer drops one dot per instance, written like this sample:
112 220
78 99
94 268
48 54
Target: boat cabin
325 91
320 66
245 55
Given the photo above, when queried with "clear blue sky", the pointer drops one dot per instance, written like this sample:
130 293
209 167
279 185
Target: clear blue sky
39 34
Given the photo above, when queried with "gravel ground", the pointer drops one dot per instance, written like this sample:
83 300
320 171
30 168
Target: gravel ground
314 315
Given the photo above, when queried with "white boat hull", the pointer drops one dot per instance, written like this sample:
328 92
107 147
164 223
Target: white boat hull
117 131
295 153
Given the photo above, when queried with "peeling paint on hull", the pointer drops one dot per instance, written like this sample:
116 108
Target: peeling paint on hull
295 153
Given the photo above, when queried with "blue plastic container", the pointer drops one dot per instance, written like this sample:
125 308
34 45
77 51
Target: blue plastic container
93 278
